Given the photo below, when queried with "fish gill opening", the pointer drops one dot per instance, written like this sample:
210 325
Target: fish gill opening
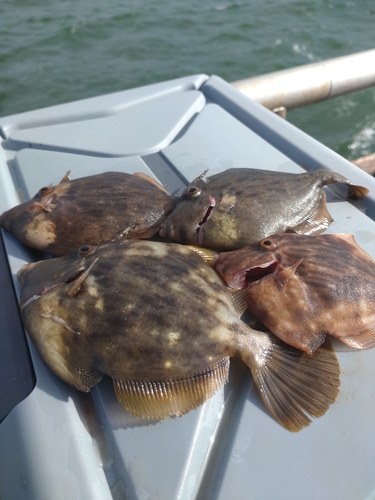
256 273
206 216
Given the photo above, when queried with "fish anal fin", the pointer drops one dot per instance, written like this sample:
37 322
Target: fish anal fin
152 181
163 399
296 387
284 274
365 340
317 222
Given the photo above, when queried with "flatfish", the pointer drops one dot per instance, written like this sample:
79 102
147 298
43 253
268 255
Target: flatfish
236 207
305 287
89 210
158 319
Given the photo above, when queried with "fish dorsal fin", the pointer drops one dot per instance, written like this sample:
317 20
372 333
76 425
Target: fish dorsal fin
317 222
347 237
163 399
77 283
207 254
228 200
152 181
239 300
364 340
284 274
66 177
296 386
199 178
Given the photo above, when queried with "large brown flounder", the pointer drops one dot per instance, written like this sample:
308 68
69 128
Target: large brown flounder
89 210
305 287
236 207
157 319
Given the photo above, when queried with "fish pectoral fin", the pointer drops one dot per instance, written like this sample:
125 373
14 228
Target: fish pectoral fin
284 274
66 177
163 399
77 283
141 230
295 386
207 254
228 200
317 222
152 181
364 340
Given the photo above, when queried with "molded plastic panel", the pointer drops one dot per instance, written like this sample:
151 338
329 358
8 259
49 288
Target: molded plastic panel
97 107
140 129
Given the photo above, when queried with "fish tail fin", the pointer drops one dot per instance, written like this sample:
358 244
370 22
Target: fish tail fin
295 386
357 192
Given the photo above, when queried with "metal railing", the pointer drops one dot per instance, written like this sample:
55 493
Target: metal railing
297 87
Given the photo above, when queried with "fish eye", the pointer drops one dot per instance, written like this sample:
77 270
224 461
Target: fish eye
193 191
268 244
86 250
45 190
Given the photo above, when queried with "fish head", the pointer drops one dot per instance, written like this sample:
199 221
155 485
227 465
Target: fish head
191 212
239 268
32 221
52 318
39 278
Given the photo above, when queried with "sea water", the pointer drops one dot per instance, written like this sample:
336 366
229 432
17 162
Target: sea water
55 51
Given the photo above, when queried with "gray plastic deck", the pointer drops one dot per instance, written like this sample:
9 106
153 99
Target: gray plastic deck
58 443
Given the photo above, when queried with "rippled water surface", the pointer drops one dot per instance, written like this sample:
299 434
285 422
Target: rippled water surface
55 51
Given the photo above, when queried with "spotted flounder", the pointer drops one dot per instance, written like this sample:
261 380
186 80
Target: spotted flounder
157 319
89 210
305 287
236 207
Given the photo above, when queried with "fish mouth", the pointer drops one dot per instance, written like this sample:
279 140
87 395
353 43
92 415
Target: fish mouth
253 274
206 216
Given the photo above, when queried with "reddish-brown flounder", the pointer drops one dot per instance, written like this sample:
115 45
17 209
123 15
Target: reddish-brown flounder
305 287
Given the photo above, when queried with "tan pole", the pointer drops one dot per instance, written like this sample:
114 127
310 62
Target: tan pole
297 87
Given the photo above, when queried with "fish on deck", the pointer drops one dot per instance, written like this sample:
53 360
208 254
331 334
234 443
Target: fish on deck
239 206
89 210
158 319
305 287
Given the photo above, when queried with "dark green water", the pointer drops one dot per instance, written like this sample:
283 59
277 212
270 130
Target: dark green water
54 51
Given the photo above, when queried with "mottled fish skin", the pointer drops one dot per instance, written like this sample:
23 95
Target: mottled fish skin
89 210
305 287
157 312
239 206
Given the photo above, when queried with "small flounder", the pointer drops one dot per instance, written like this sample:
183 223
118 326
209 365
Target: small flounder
305 287
157 319
236 207
89 210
